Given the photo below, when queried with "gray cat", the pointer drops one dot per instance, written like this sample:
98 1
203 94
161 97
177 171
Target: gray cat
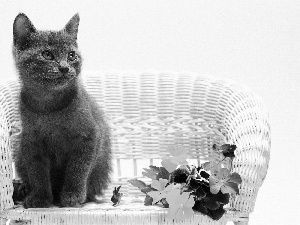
65 152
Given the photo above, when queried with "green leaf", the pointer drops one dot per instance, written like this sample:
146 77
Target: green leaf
141 185
172 196
148 200
159 184
180 205
163 173
138 183
150 173
180 160
157 196
176 150
168 165
165 203
154 168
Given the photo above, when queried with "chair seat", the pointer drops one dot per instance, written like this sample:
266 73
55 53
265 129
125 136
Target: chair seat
130 211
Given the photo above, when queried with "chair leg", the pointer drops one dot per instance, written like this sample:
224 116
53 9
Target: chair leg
241 223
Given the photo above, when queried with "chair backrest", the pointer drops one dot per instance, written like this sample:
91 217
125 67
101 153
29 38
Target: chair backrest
147 112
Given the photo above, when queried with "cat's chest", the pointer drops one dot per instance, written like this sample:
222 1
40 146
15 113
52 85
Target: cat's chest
59 131
53 126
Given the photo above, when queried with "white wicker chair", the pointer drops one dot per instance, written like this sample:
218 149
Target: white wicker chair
147 112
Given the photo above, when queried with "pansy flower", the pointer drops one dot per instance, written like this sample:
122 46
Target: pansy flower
225 181
227 150
212 205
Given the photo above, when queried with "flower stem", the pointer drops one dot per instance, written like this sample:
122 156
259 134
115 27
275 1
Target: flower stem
170 177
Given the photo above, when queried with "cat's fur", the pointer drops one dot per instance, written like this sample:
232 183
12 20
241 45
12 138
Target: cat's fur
65 151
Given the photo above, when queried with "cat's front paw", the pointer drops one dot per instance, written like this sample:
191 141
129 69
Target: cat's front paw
37 201
72 199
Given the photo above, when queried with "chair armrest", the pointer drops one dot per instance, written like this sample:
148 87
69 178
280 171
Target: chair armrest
247 124
6 170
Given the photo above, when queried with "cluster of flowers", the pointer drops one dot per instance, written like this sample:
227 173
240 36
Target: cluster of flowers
184 188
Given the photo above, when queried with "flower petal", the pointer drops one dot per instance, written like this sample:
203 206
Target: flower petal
199 193
229 154
211 204
200 207
206 166
215 184
222 198
235 178
213 180
205 187
214 189
225 147
228 147
204 174
216 214
223 174
230 187
194 184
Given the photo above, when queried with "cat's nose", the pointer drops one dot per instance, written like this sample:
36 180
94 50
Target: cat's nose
63 69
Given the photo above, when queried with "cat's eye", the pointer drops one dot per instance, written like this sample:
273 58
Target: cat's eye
72 56
48 55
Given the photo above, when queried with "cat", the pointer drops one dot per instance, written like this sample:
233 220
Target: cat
65 151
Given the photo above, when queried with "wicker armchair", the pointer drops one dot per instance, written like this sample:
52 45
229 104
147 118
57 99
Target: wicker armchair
147 112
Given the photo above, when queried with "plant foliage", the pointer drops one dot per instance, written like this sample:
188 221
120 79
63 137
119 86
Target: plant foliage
185 188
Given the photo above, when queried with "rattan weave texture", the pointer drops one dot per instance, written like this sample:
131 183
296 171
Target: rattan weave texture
147 112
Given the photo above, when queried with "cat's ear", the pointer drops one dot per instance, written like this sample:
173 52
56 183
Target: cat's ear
72 26
22 30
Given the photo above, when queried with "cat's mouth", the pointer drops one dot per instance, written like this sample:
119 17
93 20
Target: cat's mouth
57 80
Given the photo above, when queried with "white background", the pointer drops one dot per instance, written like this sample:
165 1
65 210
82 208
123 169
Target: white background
253 42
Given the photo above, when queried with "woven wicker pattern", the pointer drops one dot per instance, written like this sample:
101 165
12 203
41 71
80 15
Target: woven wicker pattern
147 112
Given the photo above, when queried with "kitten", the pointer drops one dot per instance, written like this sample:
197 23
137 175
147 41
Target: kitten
65 151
